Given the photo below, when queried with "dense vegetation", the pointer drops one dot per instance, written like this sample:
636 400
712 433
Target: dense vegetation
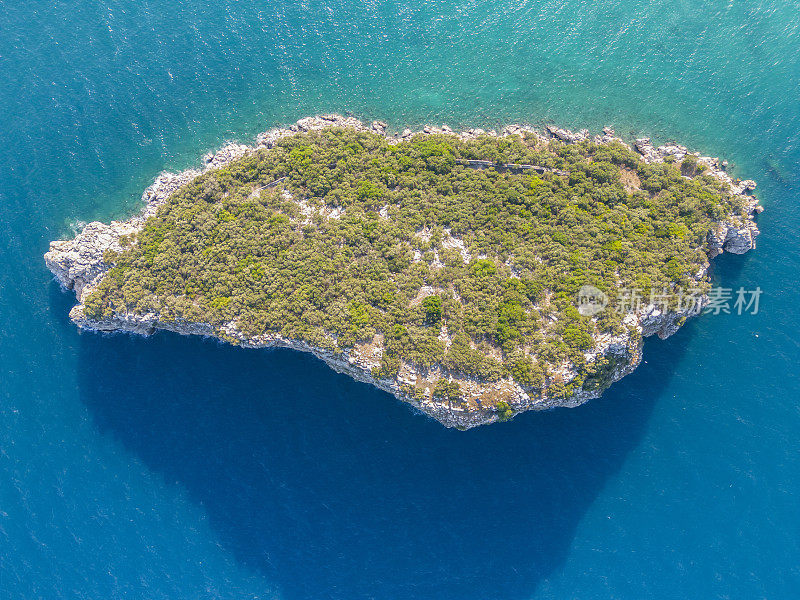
340 250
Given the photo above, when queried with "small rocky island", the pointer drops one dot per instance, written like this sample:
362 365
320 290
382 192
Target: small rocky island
445 268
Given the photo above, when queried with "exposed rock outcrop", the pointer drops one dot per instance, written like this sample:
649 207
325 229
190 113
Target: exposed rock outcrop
732 234
568 136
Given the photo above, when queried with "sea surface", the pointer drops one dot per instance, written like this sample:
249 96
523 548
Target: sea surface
180 468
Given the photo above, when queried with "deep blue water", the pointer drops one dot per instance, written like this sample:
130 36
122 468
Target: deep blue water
179 468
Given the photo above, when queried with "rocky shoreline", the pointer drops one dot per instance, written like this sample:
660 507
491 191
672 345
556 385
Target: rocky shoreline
78 265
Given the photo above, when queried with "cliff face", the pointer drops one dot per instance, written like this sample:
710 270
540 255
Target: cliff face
78 265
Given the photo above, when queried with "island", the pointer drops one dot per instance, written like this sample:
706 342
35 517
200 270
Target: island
473 275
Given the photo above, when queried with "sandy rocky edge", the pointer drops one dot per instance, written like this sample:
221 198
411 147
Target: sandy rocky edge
78 265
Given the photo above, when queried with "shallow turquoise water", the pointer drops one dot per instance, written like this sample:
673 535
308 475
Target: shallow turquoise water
178 468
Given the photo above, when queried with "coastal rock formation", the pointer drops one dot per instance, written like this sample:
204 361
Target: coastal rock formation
732 235
568 136
79 265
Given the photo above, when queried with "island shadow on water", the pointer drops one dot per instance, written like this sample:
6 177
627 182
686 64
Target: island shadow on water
333 489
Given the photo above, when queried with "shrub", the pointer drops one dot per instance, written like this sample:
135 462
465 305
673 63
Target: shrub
432 305
504 410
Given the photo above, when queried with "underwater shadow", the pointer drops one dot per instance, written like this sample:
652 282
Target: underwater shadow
726 269
333 489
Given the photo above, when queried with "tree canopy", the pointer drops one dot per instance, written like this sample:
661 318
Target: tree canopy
345 247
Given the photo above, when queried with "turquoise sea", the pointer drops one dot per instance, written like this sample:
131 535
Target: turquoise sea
172 468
